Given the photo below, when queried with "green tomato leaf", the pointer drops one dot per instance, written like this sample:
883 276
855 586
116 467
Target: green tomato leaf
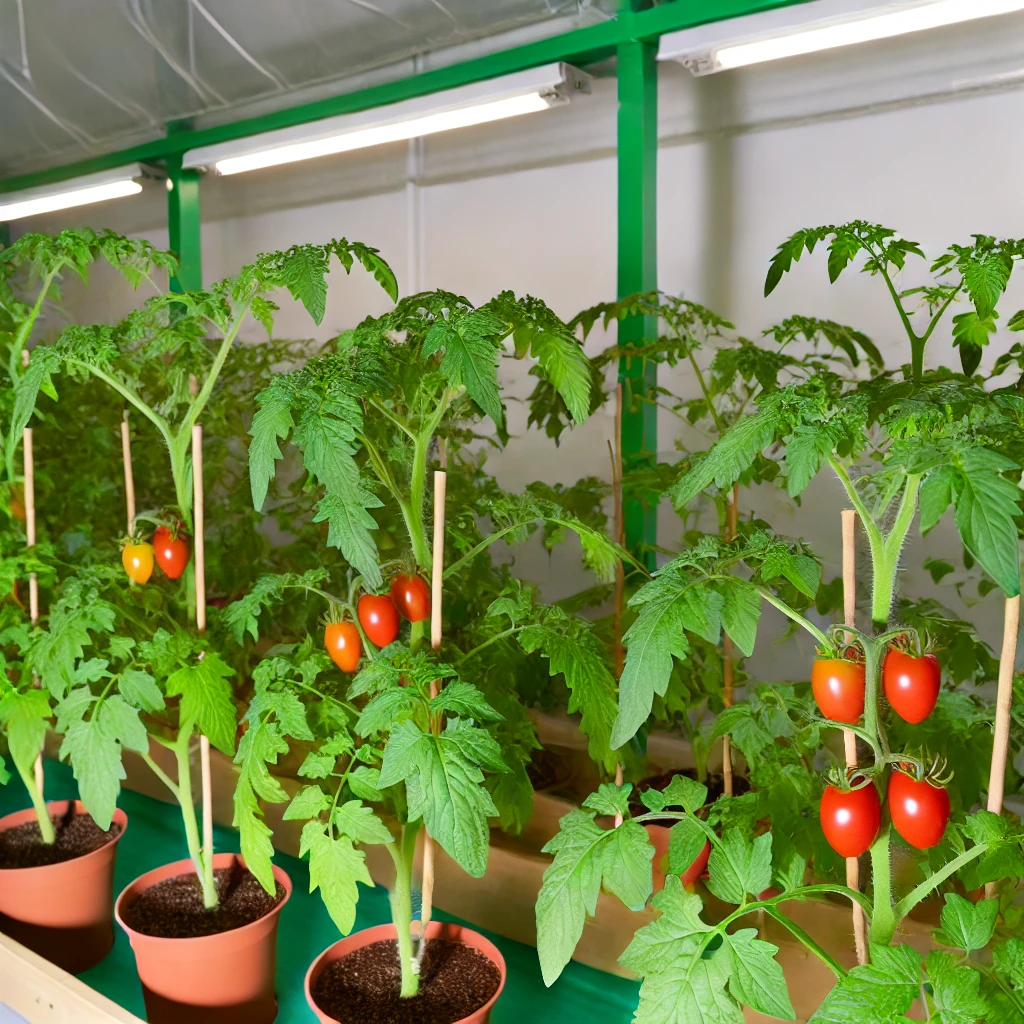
309 802
757 979
335 868
739 866
966 925
206 700
357 821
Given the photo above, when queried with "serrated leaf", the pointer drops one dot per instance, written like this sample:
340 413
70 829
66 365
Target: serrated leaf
741 612
206 700
465 701
271 423
881 991
335 868
309 802
357 821
757 979
680 792
25 717
686 841
739 866
609 799
140 690
564 364
936 496
966 925
985 509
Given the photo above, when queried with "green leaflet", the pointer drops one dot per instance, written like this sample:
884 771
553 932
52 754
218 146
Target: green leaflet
728 458
25 716
309 802
93 748
512 793
470 357
936 495
986 505
609 799
739 866
206 700
55 653
680 792
242 616
955 989
335 868
444 786
587 857
140 690
271 423
261 743
881 991
357 821
564 364
686 840
757 979
464 701
967 925
668 608
573 651
807 450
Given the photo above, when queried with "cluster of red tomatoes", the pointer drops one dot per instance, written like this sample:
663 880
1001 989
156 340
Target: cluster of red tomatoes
169 550
851 818
379 618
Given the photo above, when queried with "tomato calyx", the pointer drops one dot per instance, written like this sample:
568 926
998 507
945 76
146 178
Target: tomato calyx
912 643
917 766
849 780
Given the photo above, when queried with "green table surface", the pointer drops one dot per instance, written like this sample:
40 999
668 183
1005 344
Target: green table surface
155 836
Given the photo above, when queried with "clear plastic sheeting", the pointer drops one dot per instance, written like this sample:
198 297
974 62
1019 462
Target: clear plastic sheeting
89 76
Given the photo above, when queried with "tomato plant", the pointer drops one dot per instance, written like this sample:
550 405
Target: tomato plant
379 618
851 818
170 551
839 688
137 559
919 809
411 596
343 645
911 684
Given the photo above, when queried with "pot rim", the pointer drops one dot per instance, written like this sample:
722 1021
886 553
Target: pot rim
389 931
280 875
119 816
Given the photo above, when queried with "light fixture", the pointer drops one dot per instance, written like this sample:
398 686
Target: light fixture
522 93
62 195
820 25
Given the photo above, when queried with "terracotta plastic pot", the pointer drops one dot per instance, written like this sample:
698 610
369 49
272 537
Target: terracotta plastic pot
226 978
62 911
659 836
435 930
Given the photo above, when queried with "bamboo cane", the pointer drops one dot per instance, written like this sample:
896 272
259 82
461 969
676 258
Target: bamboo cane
30 542
436 581
199 563
129 477
731 530
849 518
1004 700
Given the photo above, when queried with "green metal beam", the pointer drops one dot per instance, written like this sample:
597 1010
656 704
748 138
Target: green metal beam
580 46
183 220
638 265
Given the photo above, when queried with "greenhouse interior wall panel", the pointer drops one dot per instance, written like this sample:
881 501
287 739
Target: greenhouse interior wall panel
511 508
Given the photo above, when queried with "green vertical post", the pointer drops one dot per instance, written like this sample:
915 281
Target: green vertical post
183 223
638 259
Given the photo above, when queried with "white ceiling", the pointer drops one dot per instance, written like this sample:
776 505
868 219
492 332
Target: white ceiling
82 77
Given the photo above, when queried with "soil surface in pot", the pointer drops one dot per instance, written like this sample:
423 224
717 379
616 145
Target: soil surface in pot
363 987
715 784
77 835
173 908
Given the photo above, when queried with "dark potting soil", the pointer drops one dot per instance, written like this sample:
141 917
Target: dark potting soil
77 835
363 987
547 770
173 908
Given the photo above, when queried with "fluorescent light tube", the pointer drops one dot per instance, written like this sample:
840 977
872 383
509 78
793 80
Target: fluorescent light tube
822 25
63 195
523 93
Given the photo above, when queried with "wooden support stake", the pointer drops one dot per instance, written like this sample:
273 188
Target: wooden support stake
436 583
199 563
129 477
731 529
849 739
30 542
1004 701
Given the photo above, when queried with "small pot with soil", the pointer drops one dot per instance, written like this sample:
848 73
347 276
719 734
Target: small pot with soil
358 980
205 965
56 898
659 833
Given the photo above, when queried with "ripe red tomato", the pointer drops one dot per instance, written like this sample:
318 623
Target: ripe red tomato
137 560
838 687
171 552
911 684
411 596
919 810
343 645
850 819
379 619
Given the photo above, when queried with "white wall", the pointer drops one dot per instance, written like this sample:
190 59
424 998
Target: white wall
920 134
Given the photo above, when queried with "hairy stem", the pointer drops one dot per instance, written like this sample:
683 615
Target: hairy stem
883 919
402 853
203 863
38 803
918 893
775 602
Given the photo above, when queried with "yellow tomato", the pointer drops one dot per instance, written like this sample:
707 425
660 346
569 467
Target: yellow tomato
137 560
